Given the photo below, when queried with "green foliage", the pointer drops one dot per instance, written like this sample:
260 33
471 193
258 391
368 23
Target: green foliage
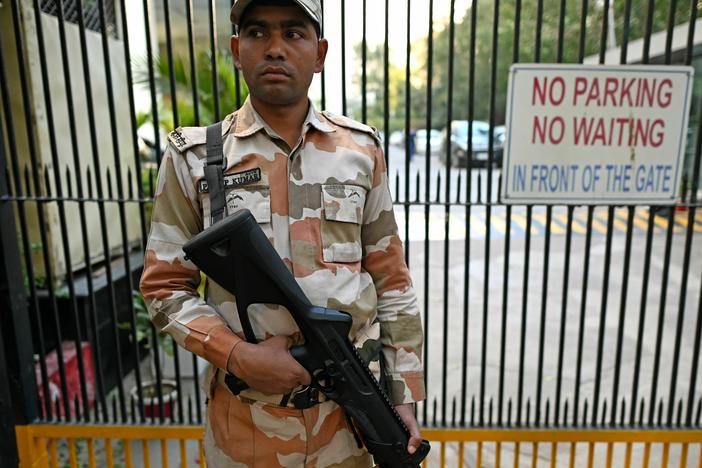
143 325
188 107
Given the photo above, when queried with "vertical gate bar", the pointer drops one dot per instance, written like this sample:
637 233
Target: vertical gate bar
183 453
469 185
408 114
364 64
627 249
507 248
193 60
590 449
695 357
534 454
461 450
603 314
128 453
81 209
386 89
22 215
152 81
132 118
516 454
488 209
343 54
683 455
525 293
583 30
169 57
447 214
120 186
91 446
176 123
571 463
101 205
661 319
554 452
18 402
666 455
564 314
583 309
164 453
542 324
427 196
212 12
647 453
145 453
323 73
53 453
603 35
479 457
610 450
622 308
627 455
237 73
109 453
54 158
72 453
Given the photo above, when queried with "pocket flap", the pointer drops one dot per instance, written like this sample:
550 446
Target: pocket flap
343 203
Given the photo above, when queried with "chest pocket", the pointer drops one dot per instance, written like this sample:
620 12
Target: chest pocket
256 199
342 216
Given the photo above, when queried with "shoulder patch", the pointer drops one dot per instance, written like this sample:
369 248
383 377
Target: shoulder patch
346 122
183 138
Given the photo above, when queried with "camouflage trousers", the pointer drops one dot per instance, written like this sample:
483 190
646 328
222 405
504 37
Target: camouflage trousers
246 433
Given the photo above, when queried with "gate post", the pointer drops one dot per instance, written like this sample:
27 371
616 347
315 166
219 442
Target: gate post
18 401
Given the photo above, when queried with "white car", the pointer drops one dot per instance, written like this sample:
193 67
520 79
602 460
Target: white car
435 139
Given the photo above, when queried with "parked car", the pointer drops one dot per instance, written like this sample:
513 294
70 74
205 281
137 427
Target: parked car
435 139
480 143
397 138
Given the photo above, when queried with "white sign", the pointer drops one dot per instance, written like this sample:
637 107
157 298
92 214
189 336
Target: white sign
580 134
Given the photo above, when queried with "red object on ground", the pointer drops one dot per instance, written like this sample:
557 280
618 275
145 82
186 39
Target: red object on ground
70 360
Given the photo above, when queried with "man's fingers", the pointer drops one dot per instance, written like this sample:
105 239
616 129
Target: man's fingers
413 444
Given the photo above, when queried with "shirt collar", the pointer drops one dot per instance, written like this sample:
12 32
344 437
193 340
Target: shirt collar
249 121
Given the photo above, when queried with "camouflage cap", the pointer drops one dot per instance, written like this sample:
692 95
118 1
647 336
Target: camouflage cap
313 8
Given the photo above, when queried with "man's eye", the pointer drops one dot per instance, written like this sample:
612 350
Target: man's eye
293 35
255 34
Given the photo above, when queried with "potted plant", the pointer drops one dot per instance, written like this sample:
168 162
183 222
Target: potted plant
143 335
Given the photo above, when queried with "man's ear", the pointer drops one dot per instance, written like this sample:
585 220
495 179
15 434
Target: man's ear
322 48
234 45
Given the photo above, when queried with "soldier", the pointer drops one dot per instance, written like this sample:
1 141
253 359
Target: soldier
317 185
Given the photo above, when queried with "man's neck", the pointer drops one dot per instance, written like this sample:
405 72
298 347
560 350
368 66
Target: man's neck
286 121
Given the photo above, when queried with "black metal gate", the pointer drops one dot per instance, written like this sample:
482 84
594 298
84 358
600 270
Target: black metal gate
535 316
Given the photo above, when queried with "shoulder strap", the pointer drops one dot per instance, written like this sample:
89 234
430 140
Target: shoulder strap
214 171
214 174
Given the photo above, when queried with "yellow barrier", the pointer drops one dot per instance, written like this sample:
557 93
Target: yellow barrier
54 445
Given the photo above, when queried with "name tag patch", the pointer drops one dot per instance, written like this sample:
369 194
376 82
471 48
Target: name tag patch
235 180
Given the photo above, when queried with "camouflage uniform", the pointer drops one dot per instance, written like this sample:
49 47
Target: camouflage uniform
326 208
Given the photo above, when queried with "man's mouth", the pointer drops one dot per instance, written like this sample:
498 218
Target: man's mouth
273 72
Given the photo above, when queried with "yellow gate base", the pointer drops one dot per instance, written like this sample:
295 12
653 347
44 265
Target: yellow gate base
54 445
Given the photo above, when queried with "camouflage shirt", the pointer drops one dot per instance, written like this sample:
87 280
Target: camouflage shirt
326 208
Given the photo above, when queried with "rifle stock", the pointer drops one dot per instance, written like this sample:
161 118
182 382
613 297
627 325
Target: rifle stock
236 254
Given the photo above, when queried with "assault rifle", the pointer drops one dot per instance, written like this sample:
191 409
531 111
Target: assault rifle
237 255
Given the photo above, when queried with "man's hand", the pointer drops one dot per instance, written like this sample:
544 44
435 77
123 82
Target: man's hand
406 412
268 366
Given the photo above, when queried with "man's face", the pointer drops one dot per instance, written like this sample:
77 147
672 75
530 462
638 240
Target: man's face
278 52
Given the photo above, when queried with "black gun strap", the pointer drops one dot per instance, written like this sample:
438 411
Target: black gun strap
214 172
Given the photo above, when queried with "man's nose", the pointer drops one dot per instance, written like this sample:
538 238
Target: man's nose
276 48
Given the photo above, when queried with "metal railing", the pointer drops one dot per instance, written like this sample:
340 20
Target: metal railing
535 316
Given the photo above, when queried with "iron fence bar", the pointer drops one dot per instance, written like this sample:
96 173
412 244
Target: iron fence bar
196 110
237 76
603 314
488 208
561 31
605 28
542 324
564 315
18 403
169 56
624 48
695 364
364 64
62 217
323 74
213 57
522 341
343 56
583 310
193 60
386 88
583 30
427 189
447 214
22 215
152 81
83 222
132 119
408 115
176 123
